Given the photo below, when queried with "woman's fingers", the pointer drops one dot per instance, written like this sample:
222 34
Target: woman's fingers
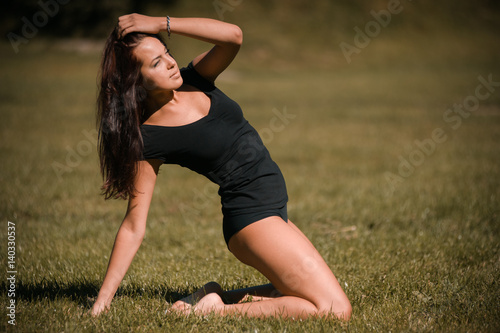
138 23
125 25
98 308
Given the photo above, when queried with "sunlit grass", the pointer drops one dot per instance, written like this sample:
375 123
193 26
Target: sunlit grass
419 256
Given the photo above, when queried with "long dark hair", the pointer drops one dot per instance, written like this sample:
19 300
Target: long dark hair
120 109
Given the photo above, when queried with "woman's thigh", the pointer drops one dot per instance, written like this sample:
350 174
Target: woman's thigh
282 253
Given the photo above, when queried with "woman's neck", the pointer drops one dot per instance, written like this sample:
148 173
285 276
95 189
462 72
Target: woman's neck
159 100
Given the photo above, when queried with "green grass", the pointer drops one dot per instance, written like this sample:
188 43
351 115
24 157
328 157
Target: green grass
419 256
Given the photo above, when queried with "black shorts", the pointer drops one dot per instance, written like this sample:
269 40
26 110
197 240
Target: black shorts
234 223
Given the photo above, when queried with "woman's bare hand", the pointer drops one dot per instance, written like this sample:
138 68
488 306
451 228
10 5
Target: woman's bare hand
98 308
140 23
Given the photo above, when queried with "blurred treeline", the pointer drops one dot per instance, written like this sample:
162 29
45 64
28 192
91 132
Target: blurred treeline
71 18
93 18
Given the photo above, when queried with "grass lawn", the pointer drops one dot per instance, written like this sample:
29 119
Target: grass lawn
400 195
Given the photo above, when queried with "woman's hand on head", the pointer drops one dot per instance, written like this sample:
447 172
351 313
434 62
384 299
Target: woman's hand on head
140 23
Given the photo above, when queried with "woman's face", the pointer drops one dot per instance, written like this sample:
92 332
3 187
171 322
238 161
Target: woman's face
159 70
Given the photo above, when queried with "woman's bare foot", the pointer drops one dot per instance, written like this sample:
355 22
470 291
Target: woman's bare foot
180 307
185 304
211 303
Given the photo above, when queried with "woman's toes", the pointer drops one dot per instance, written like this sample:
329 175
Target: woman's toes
180 307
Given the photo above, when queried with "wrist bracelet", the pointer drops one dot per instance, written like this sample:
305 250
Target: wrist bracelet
168 26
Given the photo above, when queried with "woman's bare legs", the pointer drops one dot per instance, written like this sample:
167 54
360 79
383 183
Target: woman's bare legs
282 253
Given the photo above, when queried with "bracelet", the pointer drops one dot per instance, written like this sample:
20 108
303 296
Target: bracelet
168 26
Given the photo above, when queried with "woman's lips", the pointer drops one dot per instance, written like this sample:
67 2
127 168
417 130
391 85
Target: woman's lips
175 75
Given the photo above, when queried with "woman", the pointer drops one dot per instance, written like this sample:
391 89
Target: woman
151 112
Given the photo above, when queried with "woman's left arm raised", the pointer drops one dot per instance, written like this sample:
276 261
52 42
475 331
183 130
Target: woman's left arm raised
227 38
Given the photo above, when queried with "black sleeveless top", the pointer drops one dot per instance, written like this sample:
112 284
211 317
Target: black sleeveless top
225 148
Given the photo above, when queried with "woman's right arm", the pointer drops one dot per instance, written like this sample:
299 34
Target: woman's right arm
130 234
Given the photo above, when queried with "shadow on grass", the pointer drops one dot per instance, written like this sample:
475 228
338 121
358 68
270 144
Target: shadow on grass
84 293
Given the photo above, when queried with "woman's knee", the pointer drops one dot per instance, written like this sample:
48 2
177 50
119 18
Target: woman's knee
340 308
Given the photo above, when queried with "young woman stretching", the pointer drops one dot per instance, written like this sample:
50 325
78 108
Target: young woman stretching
151 112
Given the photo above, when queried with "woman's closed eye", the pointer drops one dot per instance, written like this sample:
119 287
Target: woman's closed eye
167 52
